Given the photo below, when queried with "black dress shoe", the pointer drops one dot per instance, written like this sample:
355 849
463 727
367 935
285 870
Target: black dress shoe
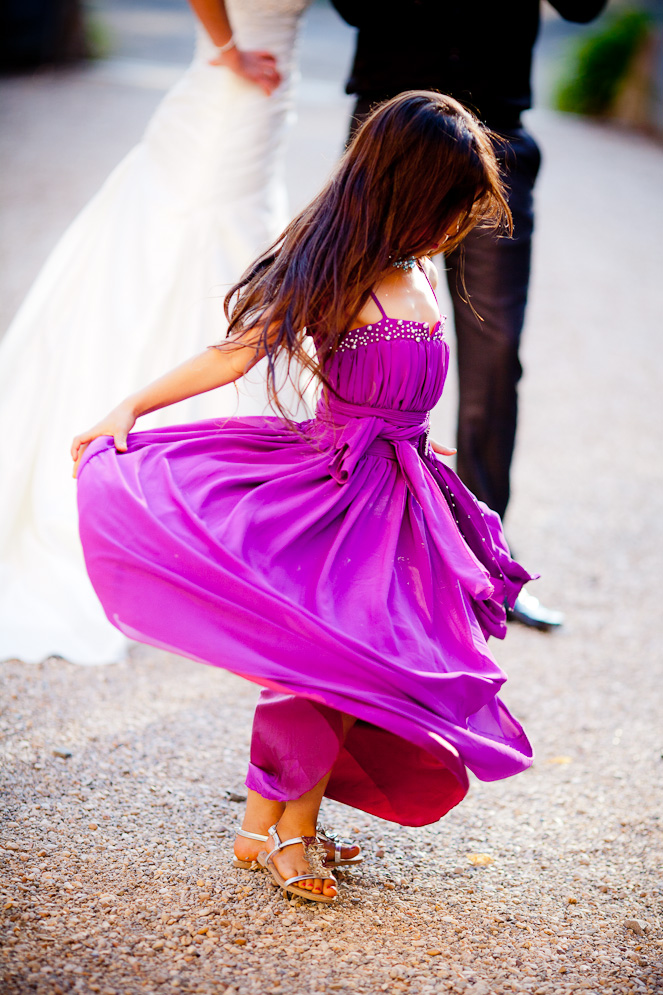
528 610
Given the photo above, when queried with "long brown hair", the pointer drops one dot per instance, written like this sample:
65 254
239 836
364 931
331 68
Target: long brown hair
417 165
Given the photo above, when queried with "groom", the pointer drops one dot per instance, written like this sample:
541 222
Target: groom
480 52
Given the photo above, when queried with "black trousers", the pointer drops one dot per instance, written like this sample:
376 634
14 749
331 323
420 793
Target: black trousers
496 271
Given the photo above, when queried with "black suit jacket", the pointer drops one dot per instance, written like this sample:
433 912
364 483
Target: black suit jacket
479 51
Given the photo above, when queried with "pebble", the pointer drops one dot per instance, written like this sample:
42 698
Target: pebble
235 797
104 885
638 926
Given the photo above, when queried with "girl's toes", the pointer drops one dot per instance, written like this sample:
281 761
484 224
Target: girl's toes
317 887
329 888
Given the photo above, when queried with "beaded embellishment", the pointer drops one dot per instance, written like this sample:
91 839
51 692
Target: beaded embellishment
405 264
315 855
387 329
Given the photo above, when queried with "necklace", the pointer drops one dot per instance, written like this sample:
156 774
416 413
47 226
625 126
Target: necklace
405 264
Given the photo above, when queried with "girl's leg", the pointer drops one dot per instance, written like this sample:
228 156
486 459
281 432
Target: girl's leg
263 813
260 814
300 818
293 741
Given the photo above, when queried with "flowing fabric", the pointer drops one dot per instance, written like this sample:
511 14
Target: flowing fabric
340 562
135 286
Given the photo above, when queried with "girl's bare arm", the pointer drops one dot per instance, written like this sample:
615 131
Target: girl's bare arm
210 369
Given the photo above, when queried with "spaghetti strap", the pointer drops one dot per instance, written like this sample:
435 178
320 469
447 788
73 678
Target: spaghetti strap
423 270
382 310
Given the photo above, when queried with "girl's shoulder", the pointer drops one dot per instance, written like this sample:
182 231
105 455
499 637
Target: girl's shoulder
402 294
430 270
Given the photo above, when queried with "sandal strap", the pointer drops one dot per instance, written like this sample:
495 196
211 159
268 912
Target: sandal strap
273 832
306 877
329 836
295 839
281 844
251 836
313 853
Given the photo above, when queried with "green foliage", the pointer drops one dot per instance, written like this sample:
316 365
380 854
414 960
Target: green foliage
600 62
98 37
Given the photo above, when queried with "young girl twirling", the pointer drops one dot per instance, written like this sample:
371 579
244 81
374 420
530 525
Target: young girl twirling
337 562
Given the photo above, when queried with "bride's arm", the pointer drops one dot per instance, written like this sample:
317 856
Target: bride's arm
213 16
258 67
212 368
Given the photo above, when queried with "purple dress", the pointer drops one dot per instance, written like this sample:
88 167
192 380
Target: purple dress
340 565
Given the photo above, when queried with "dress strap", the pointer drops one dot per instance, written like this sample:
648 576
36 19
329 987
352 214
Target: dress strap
382 310
423 270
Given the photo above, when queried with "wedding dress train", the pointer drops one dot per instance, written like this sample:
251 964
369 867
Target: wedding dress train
135 286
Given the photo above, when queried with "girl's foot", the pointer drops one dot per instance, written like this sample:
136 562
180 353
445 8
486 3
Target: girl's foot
286 861
247 850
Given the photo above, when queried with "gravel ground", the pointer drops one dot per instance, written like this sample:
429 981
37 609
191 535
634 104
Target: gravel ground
118 782
119 787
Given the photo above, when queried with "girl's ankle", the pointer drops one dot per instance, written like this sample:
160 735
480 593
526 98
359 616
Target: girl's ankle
288 829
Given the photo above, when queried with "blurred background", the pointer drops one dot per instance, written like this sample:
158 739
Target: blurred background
80 81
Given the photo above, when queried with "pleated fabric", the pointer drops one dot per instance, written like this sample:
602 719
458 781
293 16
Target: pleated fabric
339 562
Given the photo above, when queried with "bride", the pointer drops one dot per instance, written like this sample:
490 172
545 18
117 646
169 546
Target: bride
141 272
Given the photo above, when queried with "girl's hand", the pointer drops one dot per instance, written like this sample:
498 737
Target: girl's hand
442 450
118 423
256 67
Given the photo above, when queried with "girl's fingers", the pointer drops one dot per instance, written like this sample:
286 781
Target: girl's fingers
79 440
442 450
82 440
78 458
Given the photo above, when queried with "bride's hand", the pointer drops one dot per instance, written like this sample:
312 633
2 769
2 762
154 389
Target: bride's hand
257 67
442 450
118 423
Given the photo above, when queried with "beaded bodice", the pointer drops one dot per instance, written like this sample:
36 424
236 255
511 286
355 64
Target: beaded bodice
391 329
391 363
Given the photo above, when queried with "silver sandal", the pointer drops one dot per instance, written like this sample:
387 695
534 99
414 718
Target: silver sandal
338 860
323 835
249 865
314 854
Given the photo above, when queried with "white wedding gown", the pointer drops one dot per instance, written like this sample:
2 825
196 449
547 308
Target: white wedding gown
135 286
